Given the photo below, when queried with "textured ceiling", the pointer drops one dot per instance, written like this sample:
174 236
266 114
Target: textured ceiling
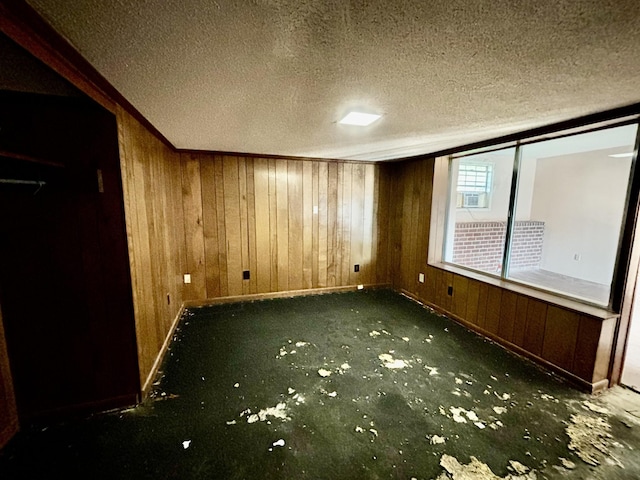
274 76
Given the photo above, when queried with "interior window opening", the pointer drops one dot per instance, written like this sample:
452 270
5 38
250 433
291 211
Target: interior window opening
568 201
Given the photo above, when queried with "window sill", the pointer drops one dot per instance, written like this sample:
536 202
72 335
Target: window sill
591 310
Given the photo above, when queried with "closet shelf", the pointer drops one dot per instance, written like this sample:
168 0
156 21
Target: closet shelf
27 158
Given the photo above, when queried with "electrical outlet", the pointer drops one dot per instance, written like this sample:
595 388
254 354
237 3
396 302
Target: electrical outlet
246 275
577 257
450 290
360 287
187 278
315 209
356 268
421 277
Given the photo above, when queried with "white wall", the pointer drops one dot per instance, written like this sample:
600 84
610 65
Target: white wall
580 197
502 162
579 194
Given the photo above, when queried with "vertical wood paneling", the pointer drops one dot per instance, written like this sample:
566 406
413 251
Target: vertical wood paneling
233 225
251 220
535 326
154 211
296 234
603 358
345 208
210 229
326 227
408 241
473 294
369 234
263 225
219 206
357 223
459 301
585 354
414 254
307 225
396 194
494 304
560 336
377 261
520 322
447 281
244 225
507 315
214 216
282 220
193 224
424 226
483 297
430 284
256 214
333 219
592 355
315 249
273 225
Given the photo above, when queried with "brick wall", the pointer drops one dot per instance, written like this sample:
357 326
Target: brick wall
480 245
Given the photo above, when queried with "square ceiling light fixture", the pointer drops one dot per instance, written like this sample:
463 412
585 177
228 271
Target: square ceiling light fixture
359 119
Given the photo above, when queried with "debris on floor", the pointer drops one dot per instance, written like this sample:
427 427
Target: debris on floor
590 438
279 411
351 397
392 363
477 470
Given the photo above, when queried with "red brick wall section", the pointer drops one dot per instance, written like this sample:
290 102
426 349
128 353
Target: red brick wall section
480 245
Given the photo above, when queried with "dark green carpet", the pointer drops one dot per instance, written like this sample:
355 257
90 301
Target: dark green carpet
240 396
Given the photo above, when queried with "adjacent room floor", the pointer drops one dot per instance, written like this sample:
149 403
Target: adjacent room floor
356 385
575 287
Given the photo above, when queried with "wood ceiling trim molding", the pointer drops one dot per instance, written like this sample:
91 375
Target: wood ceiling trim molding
27 28
274 157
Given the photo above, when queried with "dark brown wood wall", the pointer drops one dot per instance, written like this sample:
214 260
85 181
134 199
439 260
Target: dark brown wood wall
152 184
292 224
216 216
574 343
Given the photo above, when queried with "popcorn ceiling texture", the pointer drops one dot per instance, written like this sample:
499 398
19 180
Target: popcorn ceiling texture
274 76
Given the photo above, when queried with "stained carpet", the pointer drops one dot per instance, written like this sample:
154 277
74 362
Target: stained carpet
360 385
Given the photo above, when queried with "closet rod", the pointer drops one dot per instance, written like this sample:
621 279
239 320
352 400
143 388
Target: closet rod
22 182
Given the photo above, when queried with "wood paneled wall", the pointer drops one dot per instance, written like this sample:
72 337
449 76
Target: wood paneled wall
293 224
573 343
152 189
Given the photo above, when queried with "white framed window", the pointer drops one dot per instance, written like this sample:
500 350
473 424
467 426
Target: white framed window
474 185
547 213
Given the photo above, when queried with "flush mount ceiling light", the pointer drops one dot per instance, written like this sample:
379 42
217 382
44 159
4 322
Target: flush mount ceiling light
359 119
622 155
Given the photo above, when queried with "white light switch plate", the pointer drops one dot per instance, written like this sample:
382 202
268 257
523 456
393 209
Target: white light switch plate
187 278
